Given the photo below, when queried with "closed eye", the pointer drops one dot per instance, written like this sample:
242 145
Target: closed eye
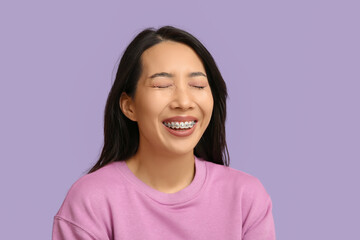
162 86
167 86
199 87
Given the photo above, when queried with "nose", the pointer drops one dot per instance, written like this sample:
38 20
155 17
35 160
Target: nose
182 99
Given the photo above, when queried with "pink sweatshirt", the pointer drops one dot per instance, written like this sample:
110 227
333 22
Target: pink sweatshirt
112 203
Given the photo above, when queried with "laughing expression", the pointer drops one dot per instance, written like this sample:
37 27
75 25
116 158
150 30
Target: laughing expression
173 101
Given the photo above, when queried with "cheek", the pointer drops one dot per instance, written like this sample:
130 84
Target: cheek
207 103
209 111
147 114
150 106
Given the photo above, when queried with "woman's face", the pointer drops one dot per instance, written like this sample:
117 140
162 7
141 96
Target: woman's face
172 92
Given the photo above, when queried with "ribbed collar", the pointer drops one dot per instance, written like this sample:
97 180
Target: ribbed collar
181 196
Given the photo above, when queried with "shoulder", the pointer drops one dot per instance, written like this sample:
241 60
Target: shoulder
87 205
99 180
234 175
93 189
249 194
248 186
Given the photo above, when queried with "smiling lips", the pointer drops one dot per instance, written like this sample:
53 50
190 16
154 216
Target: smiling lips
180 126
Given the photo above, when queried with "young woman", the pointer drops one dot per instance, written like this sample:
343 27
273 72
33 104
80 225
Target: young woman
164 169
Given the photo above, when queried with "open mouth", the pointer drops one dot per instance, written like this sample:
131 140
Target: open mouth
180 126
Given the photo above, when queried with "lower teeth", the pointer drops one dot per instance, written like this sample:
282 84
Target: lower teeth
180 128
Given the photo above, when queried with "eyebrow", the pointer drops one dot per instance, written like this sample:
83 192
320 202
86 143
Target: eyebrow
196 74
161 74
169 75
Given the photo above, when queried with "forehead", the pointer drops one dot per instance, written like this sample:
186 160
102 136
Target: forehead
171 56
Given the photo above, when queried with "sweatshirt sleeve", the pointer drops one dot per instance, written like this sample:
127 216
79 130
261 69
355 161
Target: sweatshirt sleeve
259 221
64 230
84 213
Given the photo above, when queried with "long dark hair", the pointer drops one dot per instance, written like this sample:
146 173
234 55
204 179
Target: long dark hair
121 135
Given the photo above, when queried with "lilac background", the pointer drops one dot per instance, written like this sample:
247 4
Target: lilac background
292 70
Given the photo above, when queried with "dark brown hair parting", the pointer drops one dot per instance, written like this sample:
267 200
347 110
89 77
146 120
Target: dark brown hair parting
121 135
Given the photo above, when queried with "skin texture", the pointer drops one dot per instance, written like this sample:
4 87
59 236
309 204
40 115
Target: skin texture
171 84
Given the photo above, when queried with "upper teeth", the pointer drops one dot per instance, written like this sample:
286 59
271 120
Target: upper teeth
181 125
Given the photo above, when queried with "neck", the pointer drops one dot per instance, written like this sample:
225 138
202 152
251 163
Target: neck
164 172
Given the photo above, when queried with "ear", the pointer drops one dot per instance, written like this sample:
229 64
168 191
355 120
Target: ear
127 106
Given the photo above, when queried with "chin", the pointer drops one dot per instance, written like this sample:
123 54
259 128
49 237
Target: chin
181 151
